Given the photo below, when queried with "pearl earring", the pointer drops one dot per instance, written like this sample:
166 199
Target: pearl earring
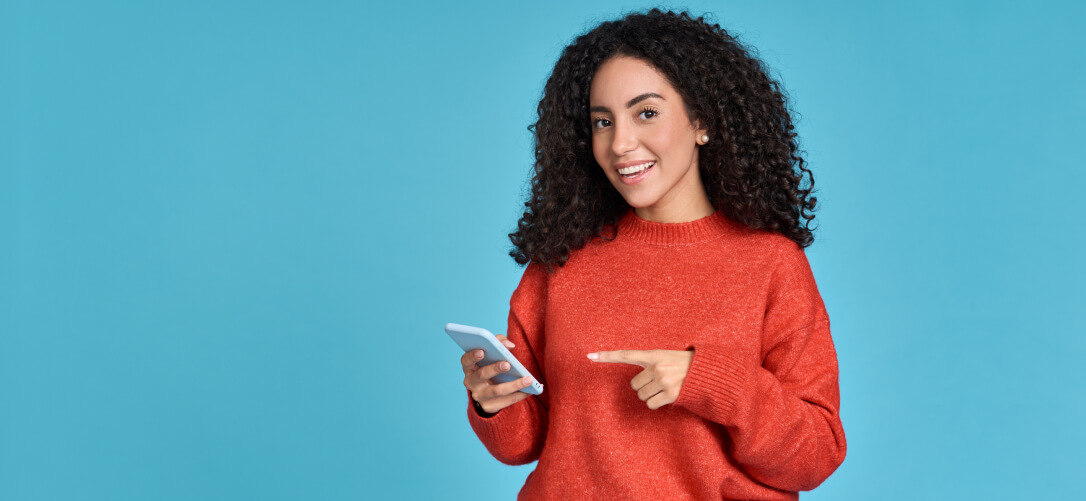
704 139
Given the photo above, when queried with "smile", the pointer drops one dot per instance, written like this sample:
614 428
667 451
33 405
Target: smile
634 170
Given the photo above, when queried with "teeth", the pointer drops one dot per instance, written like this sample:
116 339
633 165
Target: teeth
633 169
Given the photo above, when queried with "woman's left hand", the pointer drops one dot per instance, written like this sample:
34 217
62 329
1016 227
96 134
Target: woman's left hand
660 382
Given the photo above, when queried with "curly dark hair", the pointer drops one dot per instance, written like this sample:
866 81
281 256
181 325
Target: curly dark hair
752 168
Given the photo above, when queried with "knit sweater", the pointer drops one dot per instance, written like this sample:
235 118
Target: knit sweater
757 414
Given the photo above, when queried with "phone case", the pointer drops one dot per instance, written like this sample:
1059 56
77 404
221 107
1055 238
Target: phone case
476 338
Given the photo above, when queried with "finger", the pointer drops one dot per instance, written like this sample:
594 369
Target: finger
497 404
659 400
649 390
503 389
505 341
489 371
641 379
469 359
478 379
635 357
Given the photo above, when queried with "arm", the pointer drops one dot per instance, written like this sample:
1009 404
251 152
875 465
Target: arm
781 412
514 435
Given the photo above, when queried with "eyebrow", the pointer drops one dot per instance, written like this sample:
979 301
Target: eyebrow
630 103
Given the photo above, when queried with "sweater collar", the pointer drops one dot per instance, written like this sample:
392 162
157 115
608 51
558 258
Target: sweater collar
707 228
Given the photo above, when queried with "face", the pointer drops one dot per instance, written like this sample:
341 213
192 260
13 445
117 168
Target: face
645 142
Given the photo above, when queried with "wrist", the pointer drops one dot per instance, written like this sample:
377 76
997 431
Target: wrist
480 411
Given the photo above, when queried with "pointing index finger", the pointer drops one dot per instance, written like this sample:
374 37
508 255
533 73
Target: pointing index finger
635 357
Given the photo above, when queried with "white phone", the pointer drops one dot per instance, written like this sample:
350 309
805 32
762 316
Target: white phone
476 338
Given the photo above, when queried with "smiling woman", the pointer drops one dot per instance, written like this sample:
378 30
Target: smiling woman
667 306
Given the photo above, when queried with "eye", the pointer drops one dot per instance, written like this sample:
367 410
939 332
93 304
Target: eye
648 112
600 123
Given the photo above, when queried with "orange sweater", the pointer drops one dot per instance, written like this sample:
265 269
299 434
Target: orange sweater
757 415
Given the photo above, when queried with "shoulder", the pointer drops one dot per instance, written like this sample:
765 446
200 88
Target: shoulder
535 273
533 283
765 241
792 283
755 249
783 258
787 254
778 263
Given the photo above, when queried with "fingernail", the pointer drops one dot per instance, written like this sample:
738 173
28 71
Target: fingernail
593 356
505 366
509 344
527 381
478 355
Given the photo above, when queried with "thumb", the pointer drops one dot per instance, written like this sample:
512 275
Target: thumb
505 340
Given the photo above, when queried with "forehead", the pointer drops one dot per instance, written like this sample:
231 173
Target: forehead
622 77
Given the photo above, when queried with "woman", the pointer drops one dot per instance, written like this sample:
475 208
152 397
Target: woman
667 306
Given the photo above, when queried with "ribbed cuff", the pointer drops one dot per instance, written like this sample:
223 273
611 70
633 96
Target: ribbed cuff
715 384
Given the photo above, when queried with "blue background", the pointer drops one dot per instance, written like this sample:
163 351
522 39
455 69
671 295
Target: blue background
231 234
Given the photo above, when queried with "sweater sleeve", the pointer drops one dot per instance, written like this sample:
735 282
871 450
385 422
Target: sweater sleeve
515 434
781 412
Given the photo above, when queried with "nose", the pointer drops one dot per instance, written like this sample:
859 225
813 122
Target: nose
624 140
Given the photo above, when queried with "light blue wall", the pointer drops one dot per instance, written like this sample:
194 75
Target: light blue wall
231 233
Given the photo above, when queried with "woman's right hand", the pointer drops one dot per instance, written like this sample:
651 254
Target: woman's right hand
492 397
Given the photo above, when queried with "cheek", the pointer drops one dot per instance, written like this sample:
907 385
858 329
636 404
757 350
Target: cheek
600 149
670 138
674 143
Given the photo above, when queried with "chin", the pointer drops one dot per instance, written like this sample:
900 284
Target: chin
639 202
636 198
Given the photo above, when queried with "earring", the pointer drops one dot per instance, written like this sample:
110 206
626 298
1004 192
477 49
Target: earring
704 139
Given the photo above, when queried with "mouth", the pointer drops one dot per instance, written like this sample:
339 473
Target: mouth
633 173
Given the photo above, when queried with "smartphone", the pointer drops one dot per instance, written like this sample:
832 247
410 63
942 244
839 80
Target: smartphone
476 338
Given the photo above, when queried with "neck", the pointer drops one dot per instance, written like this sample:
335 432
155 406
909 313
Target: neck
692 210
688 203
